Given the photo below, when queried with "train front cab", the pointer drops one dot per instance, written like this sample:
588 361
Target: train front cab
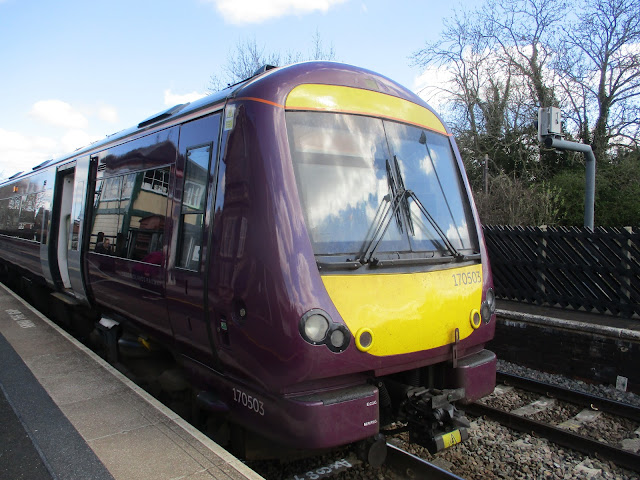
398 246
349 280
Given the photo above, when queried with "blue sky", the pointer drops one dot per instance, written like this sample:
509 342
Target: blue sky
73 71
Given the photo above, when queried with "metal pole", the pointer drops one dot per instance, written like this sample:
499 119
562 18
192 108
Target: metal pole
590 185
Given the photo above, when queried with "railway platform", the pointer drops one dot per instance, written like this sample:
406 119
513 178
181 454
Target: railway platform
588 346
67 414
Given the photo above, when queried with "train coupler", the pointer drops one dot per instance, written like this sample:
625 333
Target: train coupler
433 420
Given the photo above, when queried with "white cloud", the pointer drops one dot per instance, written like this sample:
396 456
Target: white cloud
15 141
431 86
171 99
59 114
108 114
75 139
257 11
19 152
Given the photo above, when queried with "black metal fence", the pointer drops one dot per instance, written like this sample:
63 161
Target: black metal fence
568 267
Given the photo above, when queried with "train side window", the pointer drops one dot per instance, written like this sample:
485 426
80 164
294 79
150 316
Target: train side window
144 218
4 215
22 216
27 227
106 214
193 206
129 211
13 215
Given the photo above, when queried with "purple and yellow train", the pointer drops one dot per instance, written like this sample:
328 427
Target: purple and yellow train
304 243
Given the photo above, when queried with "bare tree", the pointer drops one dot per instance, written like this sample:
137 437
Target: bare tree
318 51
525 31
248 56
461 52
492 81
509 57
601 73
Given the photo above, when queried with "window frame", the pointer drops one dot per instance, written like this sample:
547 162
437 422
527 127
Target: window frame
188 210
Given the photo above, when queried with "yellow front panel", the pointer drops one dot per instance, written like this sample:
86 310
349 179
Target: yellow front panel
408 312
333 98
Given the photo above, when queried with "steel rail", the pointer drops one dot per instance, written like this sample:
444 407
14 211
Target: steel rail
415 468
622 458
594 402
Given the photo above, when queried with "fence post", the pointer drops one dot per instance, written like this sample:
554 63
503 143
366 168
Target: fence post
541 265
625 281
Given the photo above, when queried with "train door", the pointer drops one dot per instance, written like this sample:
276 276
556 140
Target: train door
69 205
192 214
76 245
62 219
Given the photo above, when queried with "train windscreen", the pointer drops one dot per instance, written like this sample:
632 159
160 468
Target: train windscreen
350 169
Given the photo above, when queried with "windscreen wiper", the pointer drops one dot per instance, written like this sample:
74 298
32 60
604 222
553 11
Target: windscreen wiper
381 226
388 209
443 236
405 202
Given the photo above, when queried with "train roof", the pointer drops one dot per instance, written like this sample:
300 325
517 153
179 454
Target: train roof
269 83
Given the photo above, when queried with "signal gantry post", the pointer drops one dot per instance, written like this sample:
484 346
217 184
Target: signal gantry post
550 133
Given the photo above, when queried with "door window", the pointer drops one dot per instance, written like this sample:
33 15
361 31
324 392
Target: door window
192 210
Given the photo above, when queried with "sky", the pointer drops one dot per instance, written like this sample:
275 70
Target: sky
74 71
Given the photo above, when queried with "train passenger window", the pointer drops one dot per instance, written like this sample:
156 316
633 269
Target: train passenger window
13 215
105 220
27 219
24 216
193 206
4 214
43 215
129 214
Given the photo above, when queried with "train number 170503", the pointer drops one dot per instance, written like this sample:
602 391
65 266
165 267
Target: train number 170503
248 401
466 278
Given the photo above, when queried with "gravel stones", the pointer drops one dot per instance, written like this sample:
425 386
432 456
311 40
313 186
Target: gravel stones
605 391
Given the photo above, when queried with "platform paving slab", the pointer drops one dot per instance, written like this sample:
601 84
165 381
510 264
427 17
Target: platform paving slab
127 433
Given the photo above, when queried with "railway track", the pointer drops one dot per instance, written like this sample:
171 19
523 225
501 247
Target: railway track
578 398
410 467
399 465
564 436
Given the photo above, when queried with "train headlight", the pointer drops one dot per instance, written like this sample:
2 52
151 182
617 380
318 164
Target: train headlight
485 312
488 306
314 326
491 300
317 328
338 339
